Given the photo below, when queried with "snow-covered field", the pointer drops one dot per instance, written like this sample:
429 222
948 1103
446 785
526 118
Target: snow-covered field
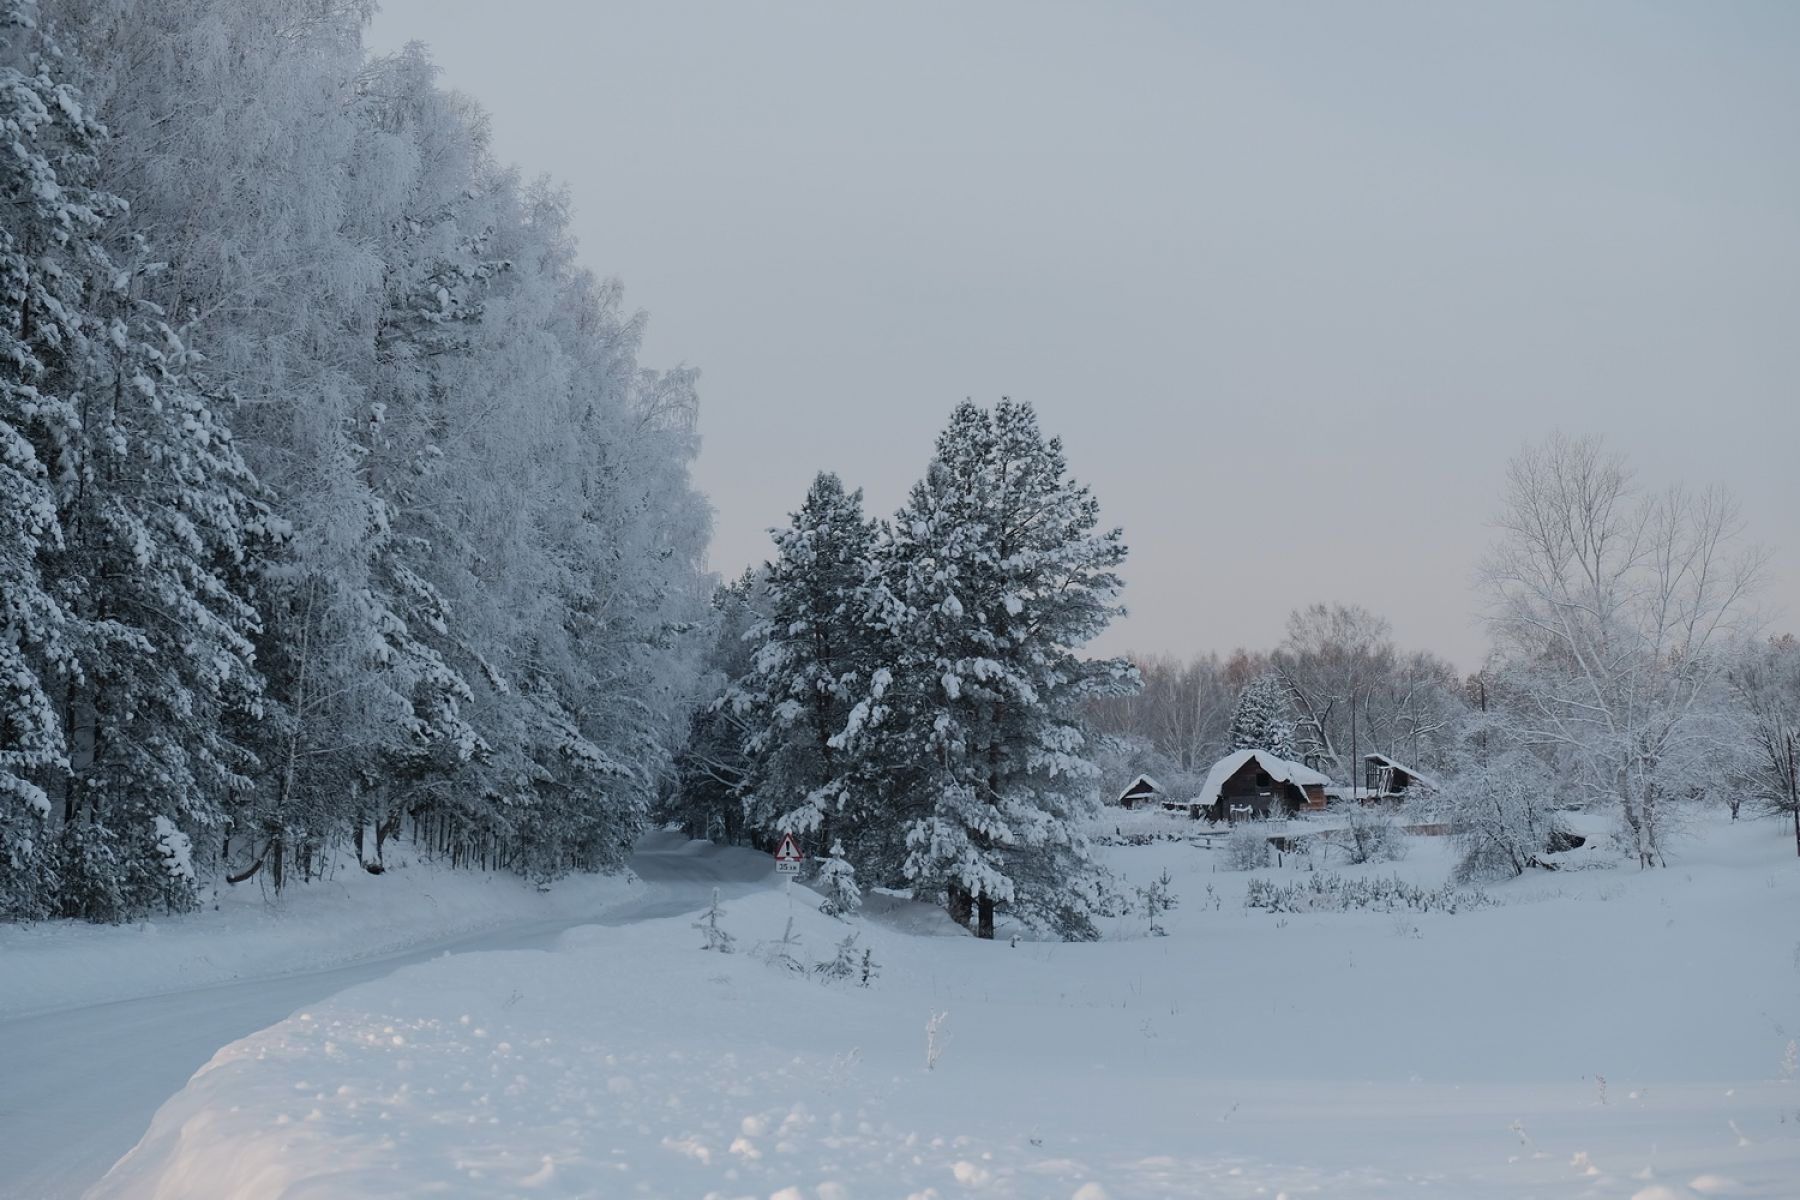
1597 1034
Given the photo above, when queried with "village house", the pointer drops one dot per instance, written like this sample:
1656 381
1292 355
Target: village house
1254 784
1142 790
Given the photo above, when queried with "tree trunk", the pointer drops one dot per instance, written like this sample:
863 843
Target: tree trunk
960 905
385 830
984 927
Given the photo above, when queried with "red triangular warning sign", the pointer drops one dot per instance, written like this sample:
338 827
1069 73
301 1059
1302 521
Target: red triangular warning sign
789 850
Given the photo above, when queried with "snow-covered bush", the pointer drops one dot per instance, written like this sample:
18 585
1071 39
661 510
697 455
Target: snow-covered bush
1142 826
1246 847
1502 817
1326 891
1372 835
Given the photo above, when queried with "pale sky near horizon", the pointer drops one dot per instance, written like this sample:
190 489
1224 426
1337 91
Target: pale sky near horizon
1292 281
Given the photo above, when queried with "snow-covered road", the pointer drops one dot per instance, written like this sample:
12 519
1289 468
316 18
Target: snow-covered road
79 1086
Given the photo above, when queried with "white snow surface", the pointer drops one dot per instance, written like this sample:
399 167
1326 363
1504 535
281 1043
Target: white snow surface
248 932
1611 1033
127 1014
1279 769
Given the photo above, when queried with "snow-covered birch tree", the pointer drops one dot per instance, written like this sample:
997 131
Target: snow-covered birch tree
1612 609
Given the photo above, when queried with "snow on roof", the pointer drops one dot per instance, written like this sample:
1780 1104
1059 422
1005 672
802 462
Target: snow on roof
1382 760
1141 781
1278 769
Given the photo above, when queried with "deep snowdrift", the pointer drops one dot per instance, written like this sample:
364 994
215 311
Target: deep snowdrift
1600 1034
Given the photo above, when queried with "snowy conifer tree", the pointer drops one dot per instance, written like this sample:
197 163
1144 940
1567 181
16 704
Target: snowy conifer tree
999 573
1263 719
837 884
46 220
141 533
814 656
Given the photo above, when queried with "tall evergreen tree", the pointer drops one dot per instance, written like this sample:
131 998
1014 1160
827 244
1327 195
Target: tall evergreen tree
139 516
815 653
49 221
999 573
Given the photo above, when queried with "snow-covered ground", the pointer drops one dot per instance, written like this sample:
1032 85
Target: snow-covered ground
248 933
117 1018
1597 1034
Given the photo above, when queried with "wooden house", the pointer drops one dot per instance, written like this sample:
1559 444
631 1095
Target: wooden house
1255 784
1143 790
1386 779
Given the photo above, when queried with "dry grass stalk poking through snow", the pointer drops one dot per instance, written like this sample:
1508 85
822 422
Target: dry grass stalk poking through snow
936 1040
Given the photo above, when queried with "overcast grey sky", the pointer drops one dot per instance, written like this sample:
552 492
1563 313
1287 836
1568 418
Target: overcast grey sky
1292 281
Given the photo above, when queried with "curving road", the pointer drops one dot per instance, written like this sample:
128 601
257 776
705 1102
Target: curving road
78 1087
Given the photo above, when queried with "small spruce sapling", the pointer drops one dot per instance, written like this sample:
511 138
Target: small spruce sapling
784 951
837 883
842 964
712 931
1157 899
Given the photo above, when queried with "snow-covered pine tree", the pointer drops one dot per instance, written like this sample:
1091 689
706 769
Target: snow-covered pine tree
163 528
46 219
1000 573
814 655
1263 718
146 649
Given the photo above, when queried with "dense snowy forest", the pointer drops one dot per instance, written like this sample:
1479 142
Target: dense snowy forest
337 504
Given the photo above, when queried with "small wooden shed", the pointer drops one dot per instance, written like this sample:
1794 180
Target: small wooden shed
1143 790
1386 778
